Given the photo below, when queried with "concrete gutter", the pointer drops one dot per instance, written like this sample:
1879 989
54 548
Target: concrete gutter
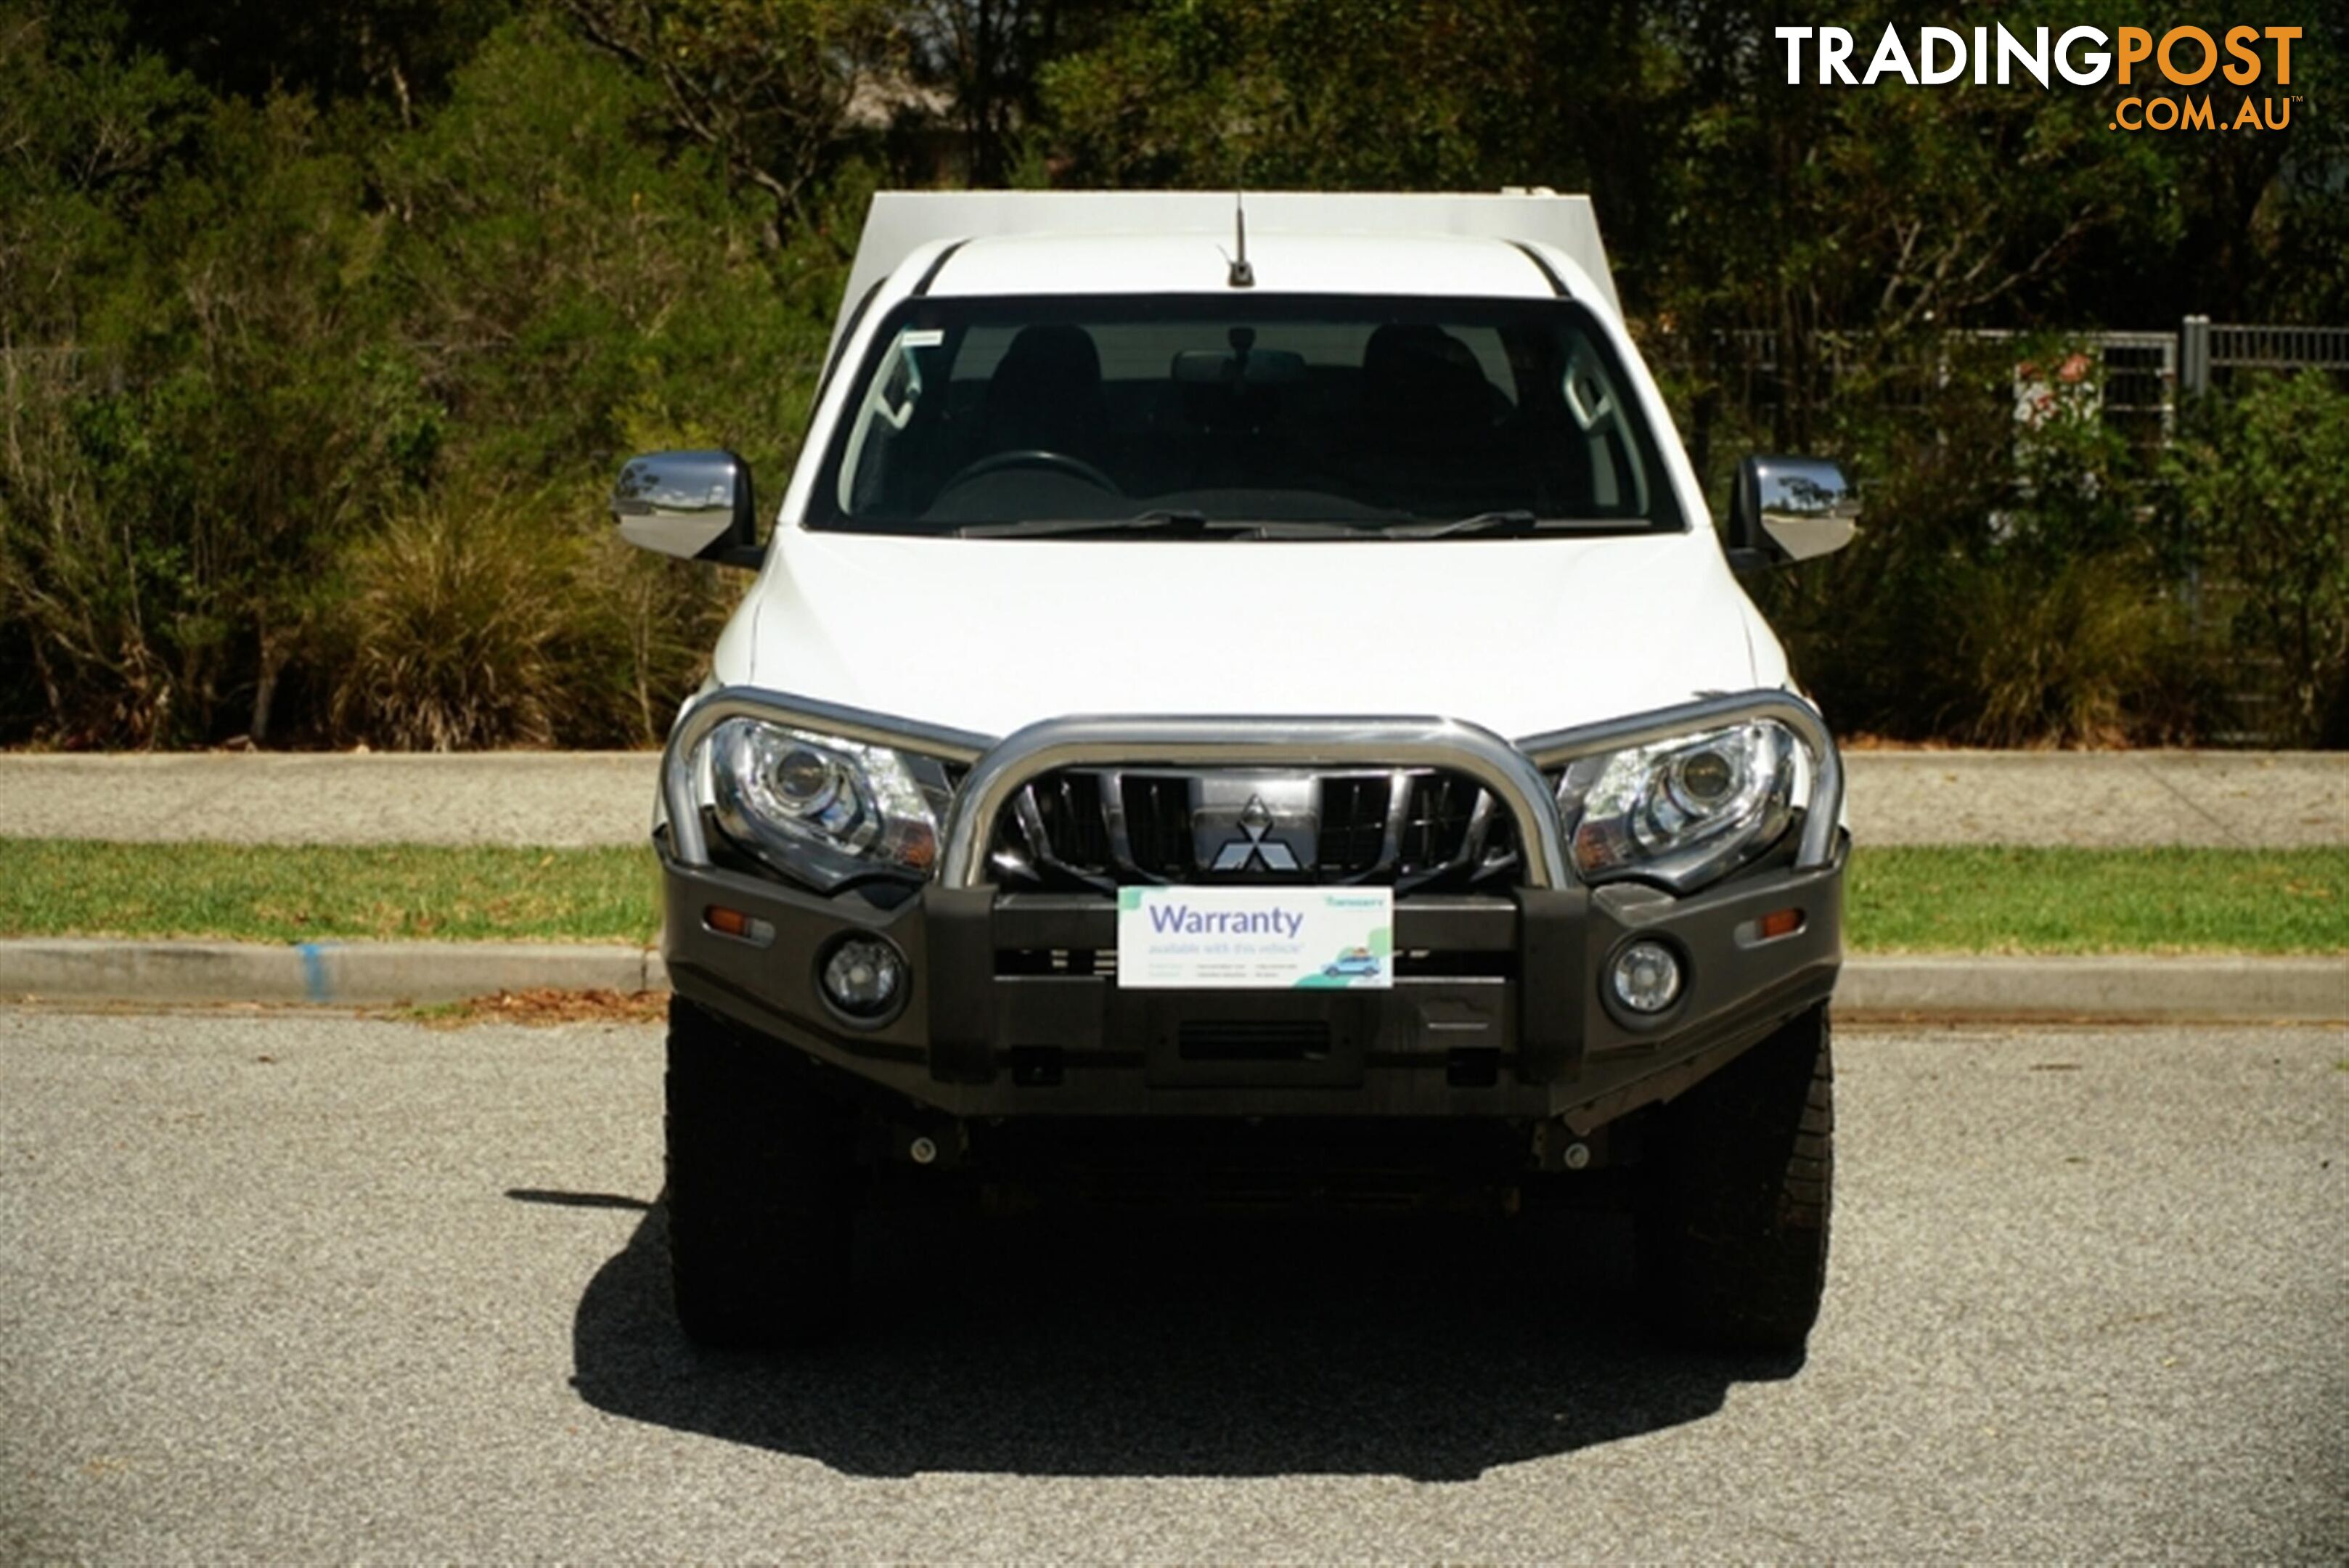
366 975
363 974
2124 986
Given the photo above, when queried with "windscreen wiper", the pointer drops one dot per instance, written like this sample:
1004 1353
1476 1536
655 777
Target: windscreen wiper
1173 522
1166 521
1516 523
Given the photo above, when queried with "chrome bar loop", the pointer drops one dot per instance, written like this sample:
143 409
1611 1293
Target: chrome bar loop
1101 742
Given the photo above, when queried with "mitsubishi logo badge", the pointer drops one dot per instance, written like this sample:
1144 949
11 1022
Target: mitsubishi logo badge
1253 850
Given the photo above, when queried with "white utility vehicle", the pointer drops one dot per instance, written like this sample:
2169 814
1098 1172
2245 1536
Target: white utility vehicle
1237 703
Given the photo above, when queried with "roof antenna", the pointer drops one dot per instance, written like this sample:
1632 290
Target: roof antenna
1243 275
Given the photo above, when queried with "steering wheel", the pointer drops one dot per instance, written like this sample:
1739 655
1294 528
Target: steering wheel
1033 457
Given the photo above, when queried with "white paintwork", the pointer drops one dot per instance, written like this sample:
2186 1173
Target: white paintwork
1520 636
986 635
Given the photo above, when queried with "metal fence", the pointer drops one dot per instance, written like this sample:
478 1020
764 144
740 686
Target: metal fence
2212 356
2139 377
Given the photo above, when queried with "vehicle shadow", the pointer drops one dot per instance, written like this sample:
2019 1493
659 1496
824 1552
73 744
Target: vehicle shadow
1422 1347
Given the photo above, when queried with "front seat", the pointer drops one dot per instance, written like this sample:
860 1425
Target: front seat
1422 386
1046 395
1428 426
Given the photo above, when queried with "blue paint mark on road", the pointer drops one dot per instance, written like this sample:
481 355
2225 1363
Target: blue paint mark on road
313 970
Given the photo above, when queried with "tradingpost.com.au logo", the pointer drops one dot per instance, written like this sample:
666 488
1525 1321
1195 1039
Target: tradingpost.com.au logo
2083 57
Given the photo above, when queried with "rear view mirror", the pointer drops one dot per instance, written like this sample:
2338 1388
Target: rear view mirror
1242 367
695 504
1789 509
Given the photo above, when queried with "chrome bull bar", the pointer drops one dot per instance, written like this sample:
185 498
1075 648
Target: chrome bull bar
1000 769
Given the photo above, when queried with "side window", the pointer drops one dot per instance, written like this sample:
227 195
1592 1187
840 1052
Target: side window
983 347
889 406
1617 482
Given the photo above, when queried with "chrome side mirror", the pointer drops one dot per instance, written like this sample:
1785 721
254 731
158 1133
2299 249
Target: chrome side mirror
696 504
1789 509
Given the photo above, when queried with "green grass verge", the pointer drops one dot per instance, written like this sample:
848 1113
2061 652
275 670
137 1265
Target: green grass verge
1900 900
52 887
2016 901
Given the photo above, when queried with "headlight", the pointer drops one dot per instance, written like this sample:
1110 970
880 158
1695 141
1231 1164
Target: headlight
820 808
1681 812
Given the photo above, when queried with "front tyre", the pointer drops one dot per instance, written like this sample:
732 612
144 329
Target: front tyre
1732 1232
760 1198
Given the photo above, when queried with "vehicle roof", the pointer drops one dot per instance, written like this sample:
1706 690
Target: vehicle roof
905 232
1448 265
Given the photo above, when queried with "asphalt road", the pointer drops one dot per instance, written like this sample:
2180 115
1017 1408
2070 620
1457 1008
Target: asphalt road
288 1287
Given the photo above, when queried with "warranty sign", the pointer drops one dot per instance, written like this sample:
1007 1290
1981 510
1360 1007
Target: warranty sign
1255 939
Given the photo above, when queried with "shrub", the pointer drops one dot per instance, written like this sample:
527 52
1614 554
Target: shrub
449 635
637 633
2060 656
481 619
2264 488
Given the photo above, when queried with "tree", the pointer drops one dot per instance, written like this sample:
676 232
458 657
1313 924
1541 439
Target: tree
763 84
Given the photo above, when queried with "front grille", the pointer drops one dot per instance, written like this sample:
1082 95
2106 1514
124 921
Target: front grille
1157 825
1411 828
1353 825
1437 819
1070 812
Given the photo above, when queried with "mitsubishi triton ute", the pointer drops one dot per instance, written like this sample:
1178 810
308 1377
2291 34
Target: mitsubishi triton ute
1245 692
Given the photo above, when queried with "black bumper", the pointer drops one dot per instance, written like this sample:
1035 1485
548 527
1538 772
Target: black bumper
1497 1012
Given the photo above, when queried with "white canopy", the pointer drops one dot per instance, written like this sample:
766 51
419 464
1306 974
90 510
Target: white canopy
902 221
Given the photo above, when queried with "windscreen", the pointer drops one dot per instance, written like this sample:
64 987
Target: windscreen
1364 412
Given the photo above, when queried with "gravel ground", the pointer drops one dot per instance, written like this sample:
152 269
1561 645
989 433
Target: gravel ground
2240 799
292 1287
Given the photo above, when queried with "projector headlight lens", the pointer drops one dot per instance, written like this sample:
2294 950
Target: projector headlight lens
1682 812
820 809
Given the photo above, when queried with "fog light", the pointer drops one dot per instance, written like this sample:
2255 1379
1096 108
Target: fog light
1647 977
863 976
